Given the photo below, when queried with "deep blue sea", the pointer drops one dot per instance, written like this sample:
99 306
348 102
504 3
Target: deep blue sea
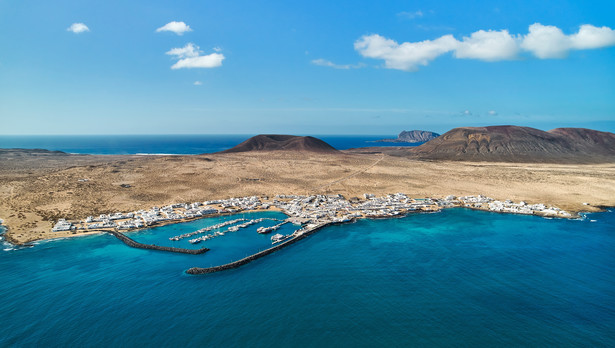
165 144
456 278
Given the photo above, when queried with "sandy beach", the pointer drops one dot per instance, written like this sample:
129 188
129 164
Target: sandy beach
35 191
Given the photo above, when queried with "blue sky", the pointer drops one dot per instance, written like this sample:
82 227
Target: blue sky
315 67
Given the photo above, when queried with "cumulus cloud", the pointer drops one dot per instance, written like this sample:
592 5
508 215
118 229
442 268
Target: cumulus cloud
547 41
197 83
488 45
542 41
327 63
190 57
466 113
190 50
492 113
178 28
406 56
590 37
78 28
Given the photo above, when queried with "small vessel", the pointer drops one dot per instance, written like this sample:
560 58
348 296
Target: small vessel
277 238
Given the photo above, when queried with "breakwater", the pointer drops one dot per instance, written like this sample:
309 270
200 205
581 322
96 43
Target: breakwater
246 260
135 244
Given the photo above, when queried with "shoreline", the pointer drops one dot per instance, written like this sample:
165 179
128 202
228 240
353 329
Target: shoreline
248 259
295 237
36 191
7 237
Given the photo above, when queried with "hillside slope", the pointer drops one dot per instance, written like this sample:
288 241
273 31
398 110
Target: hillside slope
520 144
276 142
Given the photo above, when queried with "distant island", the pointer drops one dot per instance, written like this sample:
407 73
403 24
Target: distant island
282 142
571 168
413 136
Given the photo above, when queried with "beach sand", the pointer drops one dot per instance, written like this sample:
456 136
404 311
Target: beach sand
36 191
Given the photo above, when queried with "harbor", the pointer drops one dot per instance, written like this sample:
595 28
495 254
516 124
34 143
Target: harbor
308 213
297 236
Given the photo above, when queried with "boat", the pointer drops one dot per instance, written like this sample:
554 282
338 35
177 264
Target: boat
277 238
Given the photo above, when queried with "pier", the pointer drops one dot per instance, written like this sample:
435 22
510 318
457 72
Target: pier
135 244
246 260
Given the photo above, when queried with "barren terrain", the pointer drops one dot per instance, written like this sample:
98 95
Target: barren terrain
35 191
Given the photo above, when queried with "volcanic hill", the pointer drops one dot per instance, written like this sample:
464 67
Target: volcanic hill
520 144
276 142
413 136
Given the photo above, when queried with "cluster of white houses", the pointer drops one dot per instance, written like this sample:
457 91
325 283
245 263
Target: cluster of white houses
508 206
313 209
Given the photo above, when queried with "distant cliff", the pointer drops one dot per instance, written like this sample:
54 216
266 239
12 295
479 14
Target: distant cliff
413 136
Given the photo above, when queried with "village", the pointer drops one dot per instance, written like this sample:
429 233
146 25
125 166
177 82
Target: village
307 211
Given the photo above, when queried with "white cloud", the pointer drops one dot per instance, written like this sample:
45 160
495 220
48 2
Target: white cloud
467 113
78 28
190 57
407 56
590 37
190 50
198 83
178 28
542 41
492 113
411 15
488 45
547 41
324 62
213 60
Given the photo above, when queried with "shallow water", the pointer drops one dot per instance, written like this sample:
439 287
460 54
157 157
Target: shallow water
458 277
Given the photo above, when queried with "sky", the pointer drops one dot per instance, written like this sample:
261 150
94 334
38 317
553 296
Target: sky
303 67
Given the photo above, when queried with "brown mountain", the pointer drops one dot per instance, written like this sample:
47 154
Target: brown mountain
520 144
275 142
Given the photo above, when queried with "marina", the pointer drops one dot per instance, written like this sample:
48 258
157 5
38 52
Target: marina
310 213
236 228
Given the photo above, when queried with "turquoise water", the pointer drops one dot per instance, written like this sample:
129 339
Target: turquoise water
456 278
224 249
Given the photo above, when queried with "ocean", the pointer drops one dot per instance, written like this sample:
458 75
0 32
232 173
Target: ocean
455 278
165 144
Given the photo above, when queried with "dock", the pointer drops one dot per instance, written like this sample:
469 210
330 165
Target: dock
246 260
134 244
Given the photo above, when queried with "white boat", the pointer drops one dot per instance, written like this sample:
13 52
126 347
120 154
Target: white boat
277 238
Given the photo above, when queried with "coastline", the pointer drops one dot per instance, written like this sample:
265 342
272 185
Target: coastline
36 192
298 235
8 238
248 259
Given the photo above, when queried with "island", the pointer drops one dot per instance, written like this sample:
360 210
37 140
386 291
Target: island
413 136
572 169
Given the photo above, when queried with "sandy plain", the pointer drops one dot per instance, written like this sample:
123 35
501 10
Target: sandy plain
35 191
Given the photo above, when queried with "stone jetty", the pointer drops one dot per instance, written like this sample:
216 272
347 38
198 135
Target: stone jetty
134 244
246 260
